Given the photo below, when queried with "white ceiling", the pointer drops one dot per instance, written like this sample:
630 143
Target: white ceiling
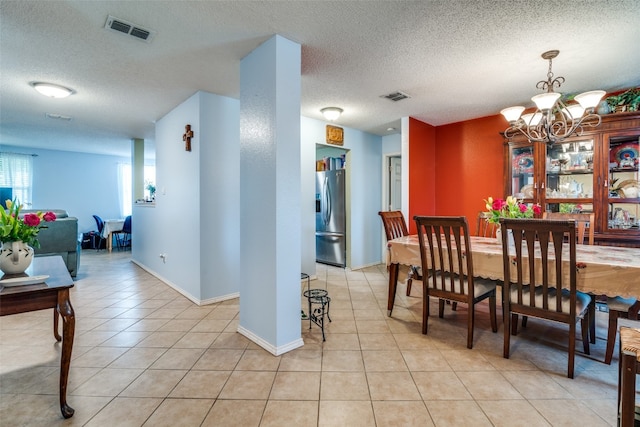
457 60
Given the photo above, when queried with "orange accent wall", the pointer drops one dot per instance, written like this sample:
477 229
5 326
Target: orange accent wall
422 171
457 166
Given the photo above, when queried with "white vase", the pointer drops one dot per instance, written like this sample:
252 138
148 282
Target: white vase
510 240
15 257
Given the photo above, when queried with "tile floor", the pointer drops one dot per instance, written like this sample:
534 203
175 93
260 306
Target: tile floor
146 356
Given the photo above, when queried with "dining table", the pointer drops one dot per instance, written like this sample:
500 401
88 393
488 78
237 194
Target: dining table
111 226
601 270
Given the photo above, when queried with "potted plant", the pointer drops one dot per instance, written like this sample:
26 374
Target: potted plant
152 190
628 100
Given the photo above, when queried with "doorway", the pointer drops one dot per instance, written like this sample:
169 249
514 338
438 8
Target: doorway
394 183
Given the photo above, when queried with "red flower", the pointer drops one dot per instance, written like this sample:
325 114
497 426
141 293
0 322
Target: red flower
32 220
498 204
537 209
49 216
523 208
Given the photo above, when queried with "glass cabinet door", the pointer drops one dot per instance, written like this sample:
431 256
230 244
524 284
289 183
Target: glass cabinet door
522 178
624 186
569 176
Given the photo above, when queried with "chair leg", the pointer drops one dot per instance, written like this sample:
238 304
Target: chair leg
592 319
425 309
514 324
506 319
470 320
441 308
492 313
572 350
612 332
584 326
409 280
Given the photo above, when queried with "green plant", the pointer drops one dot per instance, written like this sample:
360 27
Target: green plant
151 188
630 97
26 229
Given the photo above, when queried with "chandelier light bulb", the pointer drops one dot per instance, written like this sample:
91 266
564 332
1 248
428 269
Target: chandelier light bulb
590 99
512 113
545 101
51 90
573 111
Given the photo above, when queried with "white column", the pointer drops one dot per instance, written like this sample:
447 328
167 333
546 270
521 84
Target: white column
270 235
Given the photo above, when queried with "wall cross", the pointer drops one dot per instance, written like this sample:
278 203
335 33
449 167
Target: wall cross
188 134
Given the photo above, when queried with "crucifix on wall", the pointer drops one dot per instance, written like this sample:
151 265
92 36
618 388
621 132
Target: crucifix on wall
188 134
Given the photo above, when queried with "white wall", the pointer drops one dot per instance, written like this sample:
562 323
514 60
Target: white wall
82 184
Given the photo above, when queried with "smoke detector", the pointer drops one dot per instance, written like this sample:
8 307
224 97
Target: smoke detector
125 27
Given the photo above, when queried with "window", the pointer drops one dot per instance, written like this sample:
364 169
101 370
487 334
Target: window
125 185
16 172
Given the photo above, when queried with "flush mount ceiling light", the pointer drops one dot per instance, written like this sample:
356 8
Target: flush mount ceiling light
331 113
51 90
553 120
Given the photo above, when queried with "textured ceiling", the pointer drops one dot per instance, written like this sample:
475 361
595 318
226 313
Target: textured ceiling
457 60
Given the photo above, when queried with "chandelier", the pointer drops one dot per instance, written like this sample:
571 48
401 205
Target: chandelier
553 120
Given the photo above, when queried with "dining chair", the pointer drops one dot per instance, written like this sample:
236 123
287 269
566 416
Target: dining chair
553 295
617 307
100 225
123 237
585 224
628 370
445 253
484 228
395 226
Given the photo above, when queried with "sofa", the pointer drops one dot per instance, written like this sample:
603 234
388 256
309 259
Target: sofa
59 238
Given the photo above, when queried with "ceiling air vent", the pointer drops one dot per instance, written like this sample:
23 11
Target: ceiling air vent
396 96
126 27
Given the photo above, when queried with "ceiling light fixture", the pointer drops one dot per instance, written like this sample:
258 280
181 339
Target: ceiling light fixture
51 90
331 113
553 120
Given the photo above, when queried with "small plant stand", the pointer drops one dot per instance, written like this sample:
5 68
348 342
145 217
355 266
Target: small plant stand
319 304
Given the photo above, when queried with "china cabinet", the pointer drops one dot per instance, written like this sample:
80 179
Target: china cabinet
594 172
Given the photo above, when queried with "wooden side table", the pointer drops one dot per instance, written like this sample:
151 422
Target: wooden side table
52 293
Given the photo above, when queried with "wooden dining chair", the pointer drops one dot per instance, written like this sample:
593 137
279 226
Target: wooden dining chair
445 253
585 224
617 307
395 226
543 300
484 228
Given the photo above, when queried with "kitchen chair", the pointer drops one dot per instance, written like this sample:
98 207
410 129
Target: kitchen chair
543 301
394 227
484 228
100 225
123 237
445 254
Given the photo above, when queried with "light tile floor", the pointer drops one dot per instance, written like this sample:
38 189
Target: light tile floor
146 356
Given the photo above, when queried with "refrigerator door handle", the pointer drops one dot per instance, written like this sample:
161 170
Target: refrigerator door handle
327 202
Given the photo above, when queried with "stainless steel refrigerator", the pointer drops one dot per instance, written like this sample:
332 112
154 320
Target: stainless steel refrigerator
331 223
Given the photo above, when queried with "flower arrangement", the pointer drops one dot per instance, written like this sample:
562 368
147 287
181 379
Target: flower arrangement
26 229
510 208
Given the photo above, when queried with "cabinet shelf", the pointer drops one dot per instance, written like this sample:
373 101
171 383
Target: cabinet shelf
572 172
614 170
